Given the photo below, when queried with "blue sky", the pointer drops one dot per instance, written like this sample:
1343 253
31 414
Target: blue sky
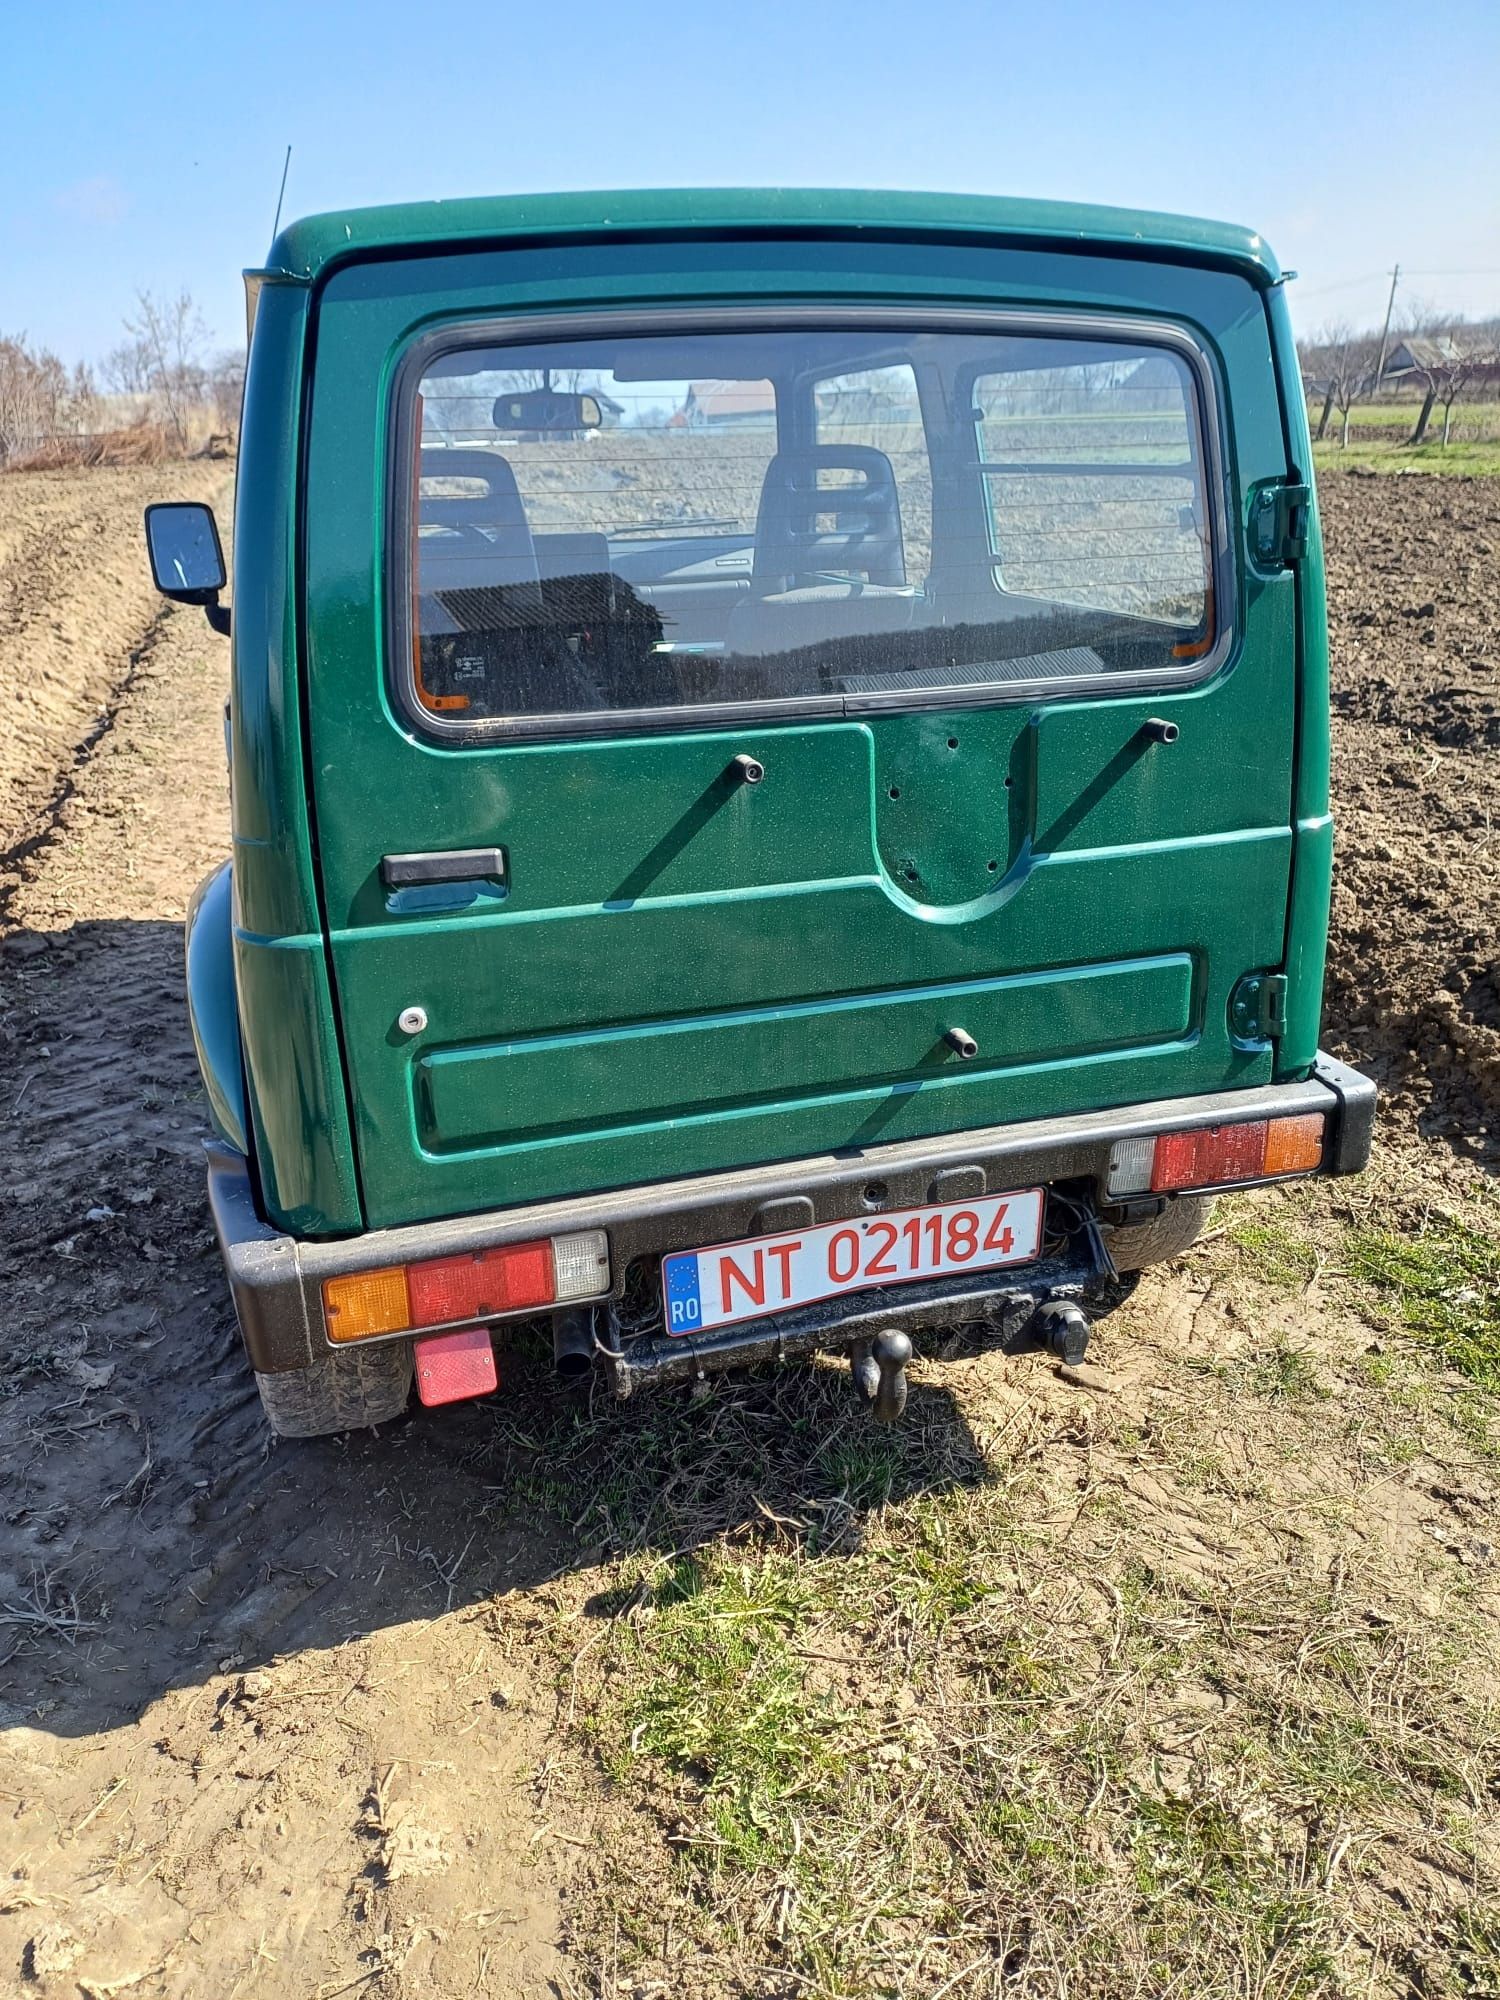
141 142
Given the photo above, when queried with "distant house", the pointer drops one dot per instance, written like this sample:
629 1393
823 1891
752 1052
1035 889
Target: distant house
1418 353
726 406
1427 355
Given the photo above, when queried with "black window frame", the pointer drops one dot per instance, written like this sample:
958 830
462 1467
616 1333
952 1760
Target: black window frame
517 330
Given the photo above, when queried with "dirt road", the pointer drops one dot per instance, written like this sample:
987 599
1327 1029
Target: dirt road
354 1717
218 1661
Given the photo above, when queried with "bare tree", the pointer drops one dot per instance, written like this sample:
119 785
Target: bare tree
169 337
33 393
1419 328
1348 366
82 407
127 368
226 382
1454 375
39 398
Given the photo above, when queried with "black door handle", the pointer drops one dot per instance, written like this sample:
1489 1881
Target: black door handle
456 864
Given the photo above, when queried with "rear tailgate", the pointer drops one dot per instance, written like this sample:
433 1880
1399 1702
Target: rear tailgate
681 973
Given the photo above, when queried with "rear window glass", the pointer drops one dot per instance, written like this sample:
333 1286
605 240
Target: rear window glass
1091 484
838 518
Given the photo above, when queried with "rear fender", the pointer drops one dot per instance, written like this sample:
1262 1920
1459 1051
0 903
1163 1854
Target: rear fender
212 1009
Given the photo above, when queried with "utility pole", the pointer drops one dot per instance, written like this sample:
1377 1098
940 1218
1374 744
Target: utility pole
1385 331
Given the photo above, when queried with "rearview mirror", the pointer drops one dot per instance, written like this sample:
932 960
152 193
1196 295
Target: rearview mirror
187 560
547 410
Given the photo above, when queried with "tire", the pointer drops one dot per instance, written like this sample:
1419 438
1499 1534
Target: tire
1166 1236
342 1392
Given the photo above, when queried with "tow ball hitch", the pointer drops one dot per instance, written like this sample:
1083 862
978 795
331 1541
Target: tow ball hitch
879 1368
1064 1331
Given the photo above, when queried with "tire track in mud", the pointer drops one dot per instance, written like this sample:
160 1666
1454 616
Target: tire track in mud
244 1668
73 582
48 818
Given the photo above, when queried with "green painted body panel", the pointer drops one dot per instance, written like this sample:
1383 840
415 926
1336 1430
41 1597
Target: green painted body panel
1312 866
685 976
689 977
310 247
504 1093
1307 945
298 1095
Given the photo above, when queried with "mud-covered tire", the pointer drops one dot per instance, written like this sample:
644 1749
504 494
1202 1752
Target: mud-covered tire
1166 1236
342 1392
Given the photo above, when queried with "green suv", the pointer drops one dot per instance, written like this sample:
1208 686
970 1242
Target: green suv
780 782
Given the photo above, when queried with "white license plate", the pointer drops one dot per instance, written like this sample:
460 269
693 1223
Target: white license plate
702 1289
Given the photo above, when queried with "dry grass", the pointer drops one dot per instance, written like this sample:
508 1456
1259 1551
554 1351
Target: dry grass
138 444
1183 1690
132 445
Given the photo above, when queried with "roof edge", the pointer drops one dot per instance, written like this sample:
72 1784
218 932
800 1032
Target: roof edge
308 248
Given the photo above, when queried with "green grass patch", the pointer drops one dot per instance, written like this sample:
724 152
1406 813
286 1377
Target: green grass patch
1018 1695
1469 418
1472 458
1279 1256
720 1699
1286 1374
953 1747
1443 1286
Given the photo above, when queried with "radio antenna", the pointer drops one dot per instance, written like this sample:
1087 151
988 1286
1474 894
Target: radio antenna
286 163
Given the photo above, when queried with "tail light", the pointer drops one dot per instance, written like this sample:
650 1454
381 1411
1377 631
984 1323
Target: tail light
480 1284
1214 1155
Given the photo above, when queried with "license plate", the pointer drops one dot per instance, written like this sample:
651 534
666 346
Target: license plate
703 1289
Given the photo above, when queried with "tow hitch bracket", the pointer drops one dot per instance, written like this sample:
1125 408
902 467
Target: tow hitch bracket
1017 1310
879 1368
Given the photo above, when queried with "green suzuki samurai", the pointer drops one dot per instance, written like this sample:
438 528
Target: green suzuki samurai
780 783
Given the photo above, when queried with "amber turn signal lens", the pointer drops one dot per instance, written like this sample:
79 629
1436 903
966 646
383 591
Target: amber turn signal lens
1295 1145
367 1303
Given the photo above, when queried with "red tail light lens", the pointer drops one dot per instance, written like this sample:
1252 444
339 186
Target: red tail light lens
1216 1155
480 1284
444 1289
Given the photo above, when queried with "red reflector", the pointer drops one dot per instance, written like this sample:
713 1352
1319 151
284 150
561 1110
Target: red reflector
453 1366
488 1281
1215 1153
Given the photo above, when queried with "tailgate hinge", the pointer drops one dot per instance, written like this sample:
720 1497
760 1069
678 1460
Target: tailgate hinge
1257 1007
1279 516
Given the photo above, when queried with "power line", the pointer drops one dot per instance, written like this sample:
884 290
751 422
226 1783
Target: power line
1340 284
1370 277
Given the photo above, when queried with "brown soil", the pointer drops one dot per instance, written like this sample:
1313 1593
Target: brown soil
1413 982
285 1720
75 603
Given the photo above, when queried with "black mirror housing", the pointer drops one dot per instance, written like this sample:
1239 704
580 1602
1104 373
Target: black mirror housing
186 555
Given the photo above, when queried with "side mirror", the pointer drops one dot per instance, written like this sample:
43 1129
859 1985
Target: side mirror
187 560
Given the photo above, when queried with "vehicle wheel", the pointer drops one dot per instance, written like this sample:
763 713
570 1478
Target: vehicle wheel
1166 1236
342 1392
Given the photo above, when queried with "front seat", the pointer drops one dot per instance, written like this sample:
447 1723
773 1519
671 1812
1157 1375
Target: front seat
480 563
830 561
